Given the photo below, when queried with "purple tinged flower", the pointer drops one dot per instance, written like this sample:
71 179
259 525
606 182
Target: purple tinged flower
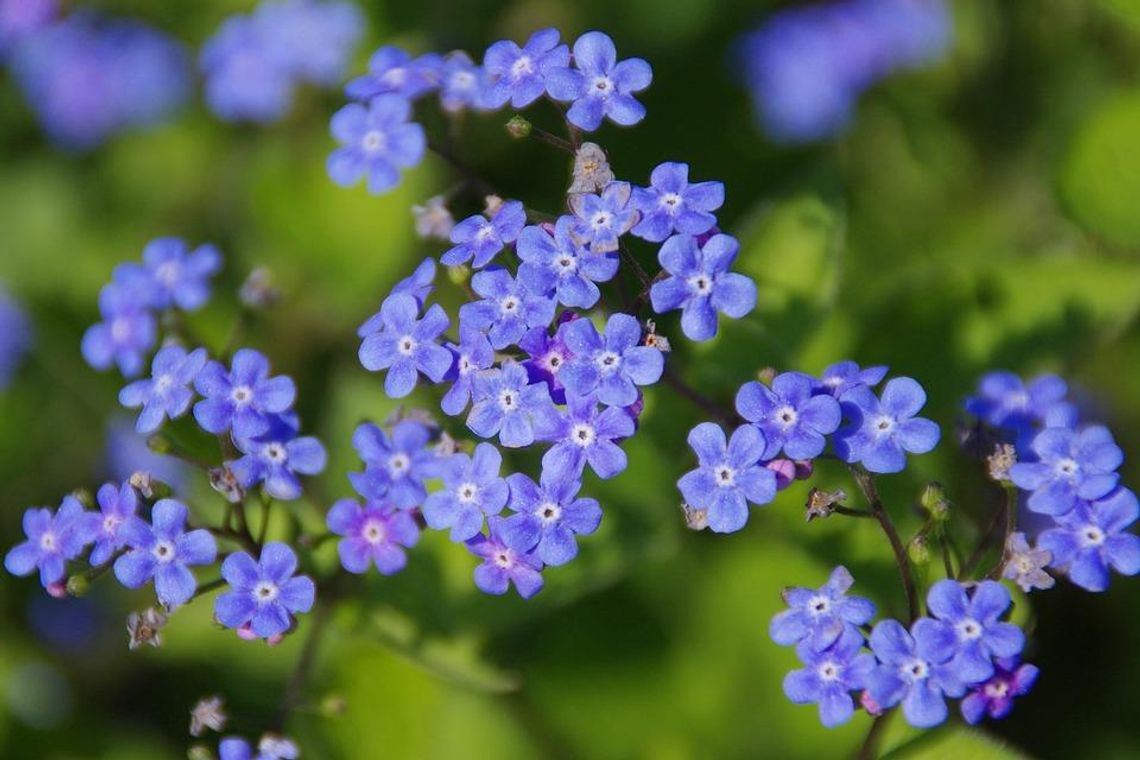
791 419
478 239
167 394
52 540
266 594
729 476
243 399
433 219
508 307
1071 466
558 263
376 533
395 466
547 516
503 565
15 337
472 354
21 18
171 274
125 335
672 204
164 550
911 672
1004 401
519 74
881 431
844 376
459 83
829 677
1025 565
376 142
548 355
472 489
604 217
966 631
599 85
612 364
701 285
1094 537
391 71
405 344
276 457
117 505
581 435
994 698
816 618
506 404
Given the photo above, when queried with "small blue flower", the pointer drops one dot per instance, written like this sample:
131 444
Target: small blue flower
729 476
966 630
791 419
701 285
612 364
171 274
844 376
817 618
243 79
547 356
167 394
164 550
502 565
547 517
125 335
376 533
599 85
1006 402
472 354
603 218
405 345
880 432
478 239
391 71
829 677
1071 466
419 285
265 594
1094 537
460 81
52 541
269 748
508 308
396 466
243 399
472 489
376 142
581 435
994 698
276 457
313 41
558 263
672 204
910 672
117 505
505 404
519 74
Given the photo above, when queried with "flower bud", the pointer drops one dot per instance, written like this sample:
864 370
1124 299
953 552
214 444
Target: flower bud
458 274
258 290
934 501
518 127
919 550
333 705
77 585
766 374
83 496
200 752
159 444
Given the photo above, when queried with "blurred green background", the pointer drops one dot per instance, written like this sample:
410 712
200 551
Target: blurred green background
979 214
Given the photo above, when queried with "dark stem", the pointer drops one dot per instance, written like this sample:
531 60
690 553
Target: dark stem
675 382
851 512
869 749
206 588
294 689
983 544
1010 526
469 173
549 139
946 562
266 507
866 483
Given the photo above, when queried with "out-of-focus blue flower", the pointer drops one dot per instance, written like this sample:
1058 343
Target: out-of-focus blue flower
391 71
168 393
519 74
1094 537
818 617
1006 402
269 748
508 309
478 239
557 263
21 18
599 85
163 550
701 285
880 432
548 515
604 217
264 594
612 364
15 337
395 466
311 39
472 490
171 274
672 204
52 540
377 141
127 332
459 82
506 403
376 533
127 453
245 399
503 565
117 505
790 417
1071 466
829 676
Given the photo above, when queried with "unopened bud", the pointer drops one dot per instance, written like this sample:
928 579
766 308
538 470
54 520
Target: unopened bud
258 290
919 550
766 375
149 487
999 462
159 444
57 590
78 585
491 205
821 503
334 705
83 496
224 481
695 519
200 752
518 127
934 501
458 274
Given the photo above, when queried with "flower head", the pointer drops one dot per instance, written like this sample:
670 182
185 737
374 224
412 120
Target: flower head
472 490
478 239
881 431
376 142
376 533
269 748
844 376
519 74
1025 565
729 476
790 417
672 204
612 364
547 356
818 617
604 217
395 466
701 285
405 344
506 404
503 565
459 82
52 540
127 332
829 677
508 309
276 457
592 171
117 505
164 551
1006 402
433 219
244 399
556 262
994 698
584 435
167 394
911 672
391 71
472 354
547 516
966 630
1071 466
599 85
171 274
266 593
1094 537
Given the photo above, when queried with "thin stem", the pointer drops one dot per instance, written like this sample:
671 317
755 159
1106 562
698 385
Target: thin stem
866 483
947 564
850 511
980 548
674 381
295 688
550 139
266 508
206 588
461 166
869 749
1010 526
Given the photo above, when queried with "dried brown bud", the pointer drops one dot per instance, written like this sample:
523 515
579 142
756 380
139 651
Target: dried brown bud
208 713
821 503
998 463
224 481
695 519
145 628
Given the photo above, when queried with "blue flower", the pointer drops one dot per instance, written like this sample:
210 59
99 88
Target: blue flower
396 466
701 285
376 142
127 332
519 74
967 630
243 399
729 475
419 285
117 505
244 80
880 432
171 274
1071 466
391 71
910 672
830 676
994 698
791 419
52 541
816 618
844 376
547 356
313 41
505 403
472 489
478 239
265 594
164 550
459 83
269 748
15 337
19 19
599 85
581 435
473 353
1094 537
612 364
376 533
508 307
603 218
671 204
276 457
1004 401
502 565
405 345
558 263
547 516
167 393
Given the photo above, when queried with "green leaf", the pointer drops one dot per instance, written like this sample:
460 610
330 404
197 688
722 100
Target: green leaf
954 741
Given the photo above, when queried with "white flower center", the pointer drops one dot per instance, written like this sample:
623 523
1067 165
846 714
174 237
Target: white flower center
241 395
485 233
1067 467
110 523
549 512
163 551
467 493
552 362
600 220
120 329
275 452
884 424
969 630
406 345
997 689
465 366
508 402
583 434
671 202
398 464
725 476
373 531
522 66
396 76
602 86
47 541
373 141
701 284
566 264
819 605
503 559
167 273
915 670
462 80
1023 564
608 362
1091 535
163 383
509 305
830 671
786 416
265 592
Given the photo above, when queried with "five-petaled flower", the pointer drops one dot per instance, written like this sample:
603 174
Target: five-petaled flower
117 505
276 457
376 533
243 399
818 617
729 476
701 285
829 676
472 489
966 630
167 394
519 74
171 274
395 466
581 435
599 85
478 239
612 364
1071 466
1094 537
52 540
790 417
376 142
547 516
912 670
164 550
600 219
557 263
672 204
508 309
503 565
405 345
880 432
264 594
506 404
